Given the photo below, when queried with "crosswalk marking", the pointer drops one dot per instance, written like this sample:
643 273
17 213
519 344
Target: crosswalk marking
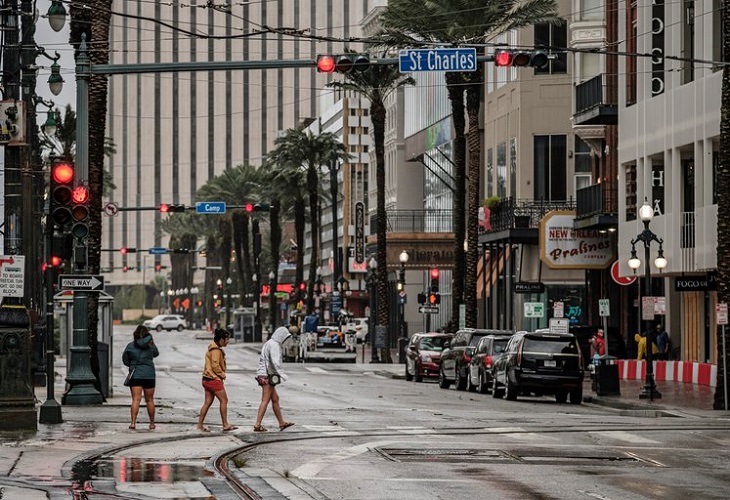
315 369
629 437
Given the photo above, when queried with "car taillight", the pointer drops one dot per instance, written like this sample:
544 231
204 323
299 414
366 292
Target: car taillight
488 361
467 358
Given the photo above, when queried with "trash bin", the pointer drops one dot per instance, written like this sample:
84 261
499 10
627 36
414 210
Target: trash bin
248 333
606 377
402 343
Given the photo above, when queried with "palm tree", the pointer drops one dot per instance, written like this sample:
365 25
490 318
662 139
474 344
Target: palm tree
463 23
311 152
92 18
284 185
723 211
376 84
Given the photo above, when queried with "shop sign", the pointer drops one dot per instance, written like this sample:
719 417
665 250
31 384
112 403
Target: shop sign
706 283
563 247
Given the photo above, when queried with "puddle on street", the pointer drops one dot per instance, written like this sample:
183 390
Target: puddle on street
140 470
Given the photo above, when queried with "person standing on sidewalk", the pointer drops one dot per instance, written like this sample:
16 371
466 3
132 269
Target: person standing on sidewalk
139 357
268 375
214 376
662 343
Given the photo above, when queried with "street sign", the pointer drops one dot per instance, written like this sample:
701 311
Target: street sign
111 209
621 280
721 313
359 232
157 251
428 310
210 207
558 325
558 309
461 59
529 287
647 308
81 282
12 272
534 310
604 307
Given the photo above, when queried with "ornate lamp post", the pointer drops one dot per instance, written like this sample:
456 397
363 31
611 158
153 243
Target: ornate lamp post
229 282
194 293
403 257
272 301
371 282
646 213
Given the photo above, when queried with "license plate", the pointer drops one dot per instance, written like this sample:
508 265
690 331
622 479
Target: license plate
551 363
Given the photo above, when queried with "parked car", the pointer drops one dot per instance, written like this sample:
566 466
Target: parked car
360 326
457 355
167 322
423 355
489 348
541 363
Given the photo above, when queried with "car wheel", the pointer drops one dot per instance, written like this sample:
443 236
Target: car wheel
561 397
511 391
159 328
443 383
459 381
409 377
482 387
180 328
576 396
496 391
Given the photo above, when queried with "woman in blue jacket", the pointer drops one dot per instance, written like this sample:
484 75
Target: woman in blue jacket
139 357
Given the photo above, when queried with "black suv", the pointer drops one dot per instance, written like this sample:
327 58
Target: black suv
541 363
457 354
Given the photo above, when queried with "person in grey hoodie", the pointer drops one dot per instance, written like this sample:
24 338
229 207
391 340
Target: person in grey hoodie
267 373
139 357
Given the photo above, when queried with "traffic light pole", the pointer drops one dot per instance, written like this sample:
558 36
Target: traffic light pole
80 377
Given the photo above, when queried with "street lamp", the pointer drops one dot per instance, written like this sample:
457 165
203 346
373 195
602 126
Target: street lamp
229 282
371 282
403 257
646 213
272 301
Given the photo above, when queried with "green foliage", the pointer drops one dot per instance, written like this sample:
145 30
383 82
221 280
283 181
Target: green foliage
493 202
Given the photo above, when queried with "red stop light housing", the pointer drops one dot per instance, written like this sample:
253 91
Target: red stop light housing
164 208
326 64
55 261
123 250
503 58
249 207
302 286
63 173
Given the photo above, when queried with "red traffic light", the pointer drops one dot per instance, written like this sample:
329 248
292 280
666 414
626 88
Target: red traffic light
164 208
434 273
55 261
80 194
326 64
302 286
125 269
503 58
63 173
434 299
249 207
123 250
158 267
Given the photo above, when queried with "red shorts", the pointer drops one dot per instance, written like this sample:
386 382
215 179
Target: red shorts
214 385
262 380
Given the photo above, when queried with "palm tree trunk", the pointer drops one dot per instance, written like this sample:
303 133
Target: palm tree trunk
455 88
377 115
275 239
299 226
723 217
313 190
473 103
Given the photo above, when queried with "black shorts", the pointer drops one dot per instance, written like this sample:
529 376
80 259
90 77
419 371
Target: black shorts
144 383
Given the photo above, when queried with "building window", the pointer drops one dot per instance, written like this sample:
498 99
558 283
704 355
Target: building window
591 10
581 182
630 192
550 170
688 41
502 170
555 36
490 172
582 156
631 34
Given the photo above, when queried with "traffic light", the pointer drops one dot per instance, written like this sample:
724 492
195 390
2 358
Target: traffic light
302 290
433 299
342 63
434 274
62 180
171 207
125 250
257 207
421 298
508 57
158 268
125 269
179 250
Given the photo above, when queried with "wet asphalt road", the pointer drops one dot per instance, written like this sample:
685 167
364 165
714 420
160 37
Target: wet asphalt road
362 434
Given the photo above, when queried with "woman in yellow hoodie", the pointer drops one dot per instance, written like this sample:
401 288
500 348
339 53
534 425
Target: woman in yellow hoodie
641 341
214 375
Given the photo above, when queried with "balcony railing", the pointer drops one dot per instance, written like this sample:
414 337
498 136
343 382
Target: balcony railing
595 103
417 221
597 199
524 214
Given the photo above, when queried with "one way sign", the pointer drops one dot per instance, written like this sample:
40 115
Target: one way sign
81 282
